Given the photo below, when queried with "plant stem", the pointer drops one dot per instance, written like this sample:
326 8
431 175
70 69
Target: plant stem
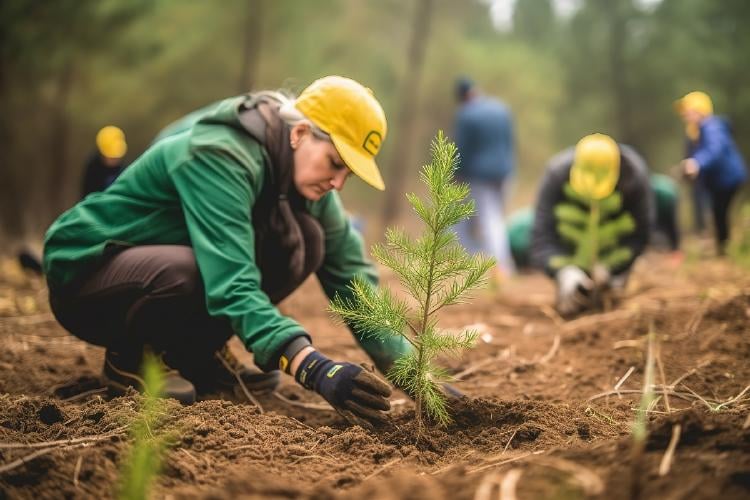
594 221
423 327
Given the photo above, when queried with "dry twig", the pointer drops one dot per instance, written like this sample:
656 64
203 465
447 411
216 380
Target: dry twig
509 441
553 315
77 470
690 373
248 394
503 462
452 465
681 395
666 460
65 442
384 467
663 378
589 482
623 379
27 458
487 487
551 353
509 484
300 404
81 395
481 364
597 319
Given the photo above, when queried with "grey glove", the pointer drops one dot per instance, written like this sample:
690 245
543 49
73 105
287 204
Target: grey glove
574 289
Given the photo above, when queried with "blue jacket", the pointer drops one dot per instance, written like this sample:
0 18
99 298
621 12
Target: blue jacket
721 165
484 137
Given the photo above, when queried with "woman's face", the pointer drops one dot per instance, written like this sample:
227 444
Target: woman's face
318 168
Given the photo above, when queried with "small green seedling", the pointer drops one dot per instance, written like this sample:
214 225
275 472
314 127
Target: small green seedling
436 271
143 461
640 426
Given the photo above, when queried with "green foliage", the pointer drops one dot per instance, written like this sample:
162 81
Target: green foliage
436 272
69 67
143 461
593 233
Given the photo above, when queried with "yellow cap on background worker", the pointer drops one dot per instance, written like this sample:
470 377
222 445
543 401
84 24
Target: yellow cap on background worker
697 101
110 141
596 167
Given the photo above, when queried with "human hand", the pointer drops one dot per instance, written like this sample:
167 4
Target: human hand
690 168
573 290
357 394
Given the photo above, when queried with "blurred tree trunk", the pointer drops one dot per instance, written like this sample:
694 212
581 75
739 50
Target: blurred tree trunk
57 184
11 225
404 141
253 40
617 14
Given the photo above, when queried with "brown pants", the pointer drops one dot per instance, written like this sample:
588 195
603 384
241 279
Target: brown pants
144 295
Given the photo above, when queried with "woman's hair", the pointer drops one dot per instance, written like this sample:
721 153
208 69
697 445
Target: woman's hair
290 114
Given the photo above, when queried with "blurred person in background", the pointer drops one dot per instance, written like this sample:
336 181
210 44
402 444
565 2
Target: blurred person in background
665 231
216 223
106 163
598 160
484 136
712 158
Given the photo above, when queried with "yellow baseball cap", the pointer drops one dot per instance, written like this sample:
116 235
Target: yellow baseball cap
596 167
350 114
695 101
111 142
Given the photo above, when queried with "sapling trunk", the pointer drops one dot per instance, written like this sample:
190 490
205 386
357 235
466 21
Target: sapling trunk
435 271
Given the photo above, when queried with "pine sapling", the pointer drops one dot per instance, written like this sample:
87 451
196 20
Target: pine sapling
594 237
435 271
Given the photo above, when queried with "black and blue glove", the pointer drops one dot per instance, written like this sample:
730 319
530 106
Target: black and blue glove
356 393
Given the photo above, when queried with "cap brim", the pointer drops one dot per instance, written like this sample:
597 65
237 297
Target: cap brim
363 165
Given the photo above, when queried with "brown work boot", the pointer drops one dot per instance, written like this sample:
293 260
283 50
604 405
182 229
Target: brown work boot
223 372
122 370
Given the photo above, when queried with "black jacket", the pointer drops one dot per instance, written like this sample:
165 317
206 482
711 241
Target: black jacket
98 176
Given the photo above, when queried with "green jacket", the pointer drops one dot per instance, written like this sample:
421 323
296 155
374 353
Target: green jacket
197 188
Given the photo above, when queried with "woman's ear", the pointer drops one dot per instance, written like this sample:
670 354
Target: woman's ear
297 133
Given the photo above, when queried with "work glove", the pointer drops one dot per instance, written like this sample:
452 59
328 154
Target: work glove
356 393
574 289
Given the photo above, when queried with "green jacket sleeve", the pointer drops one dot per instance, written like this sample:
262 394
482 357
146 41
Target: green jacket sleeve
344 259
217 192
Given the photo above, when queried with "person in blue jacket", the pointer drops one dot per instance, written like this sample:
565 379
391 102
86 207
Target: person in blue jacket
484 138
712 158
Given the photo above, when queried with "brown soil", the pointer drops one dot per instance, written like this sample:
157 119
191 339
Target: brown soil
528 418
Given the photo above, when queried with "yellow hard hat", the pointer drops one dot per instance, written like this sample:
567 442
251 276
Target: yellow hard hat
111 142
695 101
596 167
354 119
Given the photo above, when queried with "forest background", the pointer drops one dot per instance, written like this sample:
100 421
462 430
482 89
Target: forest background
566 68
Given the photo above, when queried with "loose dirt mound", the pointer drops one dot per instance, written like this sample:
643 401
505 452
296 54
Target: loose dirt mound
543 418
